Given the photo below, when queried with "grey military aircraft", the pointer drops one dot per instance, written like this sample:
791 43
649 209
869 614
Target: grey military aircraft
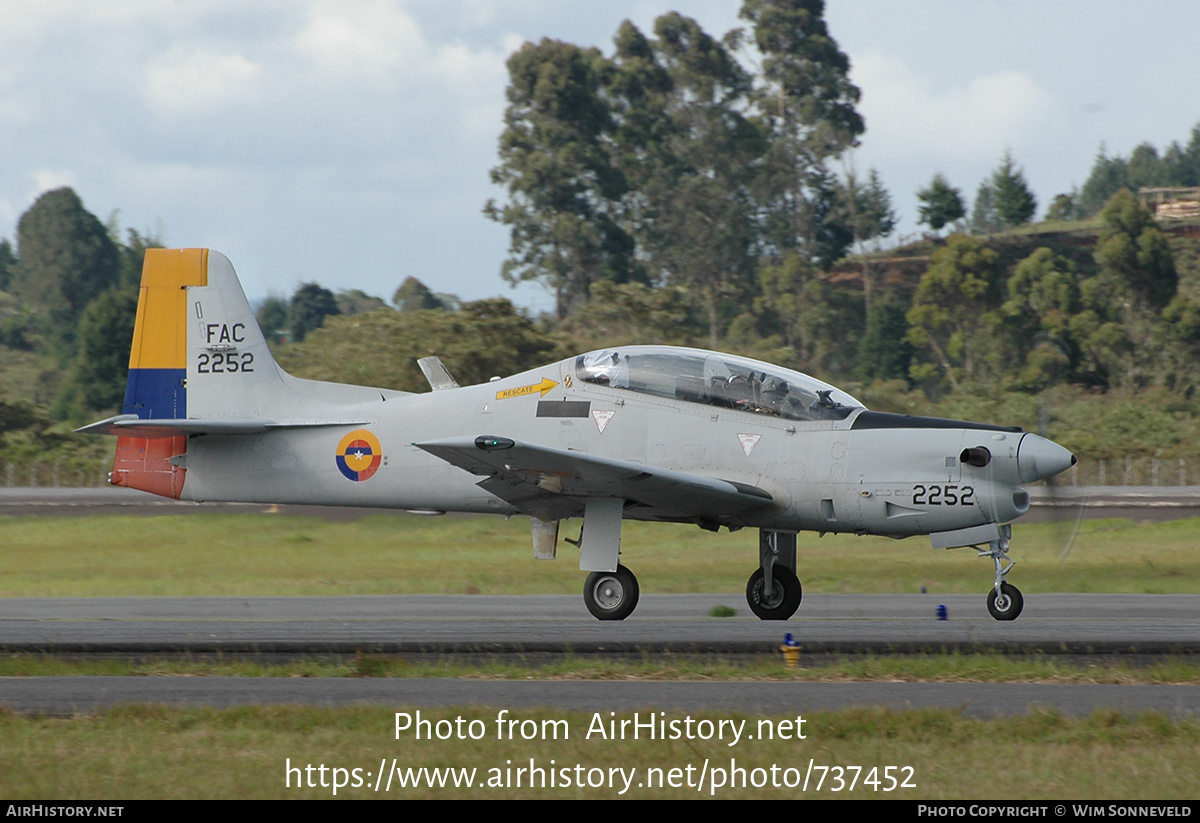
639 432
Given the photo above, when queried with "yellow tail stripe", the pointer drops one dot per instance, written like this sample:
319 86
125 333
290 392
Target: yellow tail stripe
160 332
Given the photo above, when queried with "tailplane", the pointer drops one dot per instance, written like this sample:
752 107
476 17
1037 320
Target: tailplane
200 365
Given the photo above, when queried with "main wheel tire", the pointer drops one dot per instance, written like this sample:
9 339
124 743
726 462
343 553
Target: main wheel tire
1007 604
784 598
611 595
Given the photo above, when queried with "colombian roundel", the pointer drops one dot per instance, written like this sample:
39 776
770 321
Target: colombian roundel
359 455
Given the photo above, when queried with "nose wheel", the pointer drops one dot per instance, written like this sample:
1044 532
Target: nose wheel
1005 604
1004 600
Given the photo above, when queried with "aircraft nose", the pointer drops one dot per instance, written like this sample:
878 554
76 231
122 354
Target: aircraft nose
1040 459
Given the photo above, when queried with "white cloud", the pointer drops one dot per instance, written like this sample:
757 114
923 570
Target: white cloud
355 39
980 117
199 81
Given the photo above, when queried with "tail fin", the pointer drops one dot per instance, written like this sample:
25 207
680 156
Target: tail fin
157 384
200 365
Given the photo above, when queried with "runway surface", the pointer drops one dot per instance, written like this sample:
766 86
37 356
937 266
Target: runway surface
68 695
1126 624
1100 625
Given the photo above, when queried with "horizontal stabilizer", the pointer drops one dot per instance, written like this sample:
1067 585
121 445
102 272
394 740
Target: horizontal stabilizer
133 426
554 483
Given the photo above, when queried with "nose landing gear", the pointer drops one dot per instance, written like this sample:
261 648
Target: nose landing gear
1004 600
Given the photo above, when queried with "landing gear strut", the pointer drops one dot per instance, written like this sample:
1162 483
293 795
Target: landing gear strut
1004 600
773 592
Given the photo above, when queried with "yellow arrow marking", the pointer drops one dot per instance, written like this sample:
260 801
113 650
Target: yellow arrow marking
537 388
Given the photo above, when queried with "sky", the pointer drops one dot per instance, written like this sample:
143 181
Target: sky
349 142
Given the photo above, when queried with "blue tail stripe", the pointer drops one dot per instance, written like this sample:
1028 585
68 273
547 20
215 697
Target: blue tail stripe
156 394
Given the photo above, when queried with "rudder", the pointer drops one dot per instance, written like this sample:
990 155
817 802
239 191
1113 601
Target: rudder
157 384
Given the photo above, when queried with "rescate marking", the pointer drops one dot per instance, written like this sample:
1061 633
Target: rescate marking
537 388
749 441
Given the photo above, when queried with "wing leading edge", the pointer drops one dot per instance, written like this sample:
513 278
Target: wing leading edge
552 484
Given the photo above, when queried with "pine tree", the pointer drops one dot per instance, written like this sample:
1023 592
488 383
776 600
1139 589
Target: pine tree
1015 203
941 203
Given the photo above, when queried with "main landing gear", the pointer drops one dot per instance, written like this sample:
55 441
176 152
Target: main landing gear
773 592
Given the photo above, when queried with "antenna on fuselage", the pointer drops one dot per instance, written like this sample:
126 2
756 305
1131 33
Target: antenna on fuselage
372 383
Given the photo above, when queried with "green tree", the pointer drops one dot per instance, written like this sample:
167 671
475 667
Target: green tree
984 218
1063 207
700 188
96 381
637 89
806 77
66 260
1135 259
483 339
311 304
1043 298
809 107
8 264
1015 203
1135 282
1145 167
272 318
1108 176
563 189
624 313
1182 319
871 213
955 306
132 256
357 301
18 414
940 203
884 351
1181 166
870 217
412 295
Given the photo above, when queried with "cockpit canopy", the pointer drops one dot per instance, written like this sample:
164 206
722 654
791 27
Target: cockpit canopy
714 379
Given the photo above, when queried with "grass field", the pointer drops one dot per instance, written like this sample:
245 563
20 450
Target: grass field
925 668
264 554
139 752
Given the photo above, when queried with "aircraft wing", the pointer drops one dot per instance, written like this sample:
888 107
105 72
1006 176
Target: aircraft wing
555 483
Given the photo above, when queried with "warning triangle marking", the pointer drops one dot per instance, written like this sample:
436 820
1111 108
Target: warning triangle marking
749 441
602 418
